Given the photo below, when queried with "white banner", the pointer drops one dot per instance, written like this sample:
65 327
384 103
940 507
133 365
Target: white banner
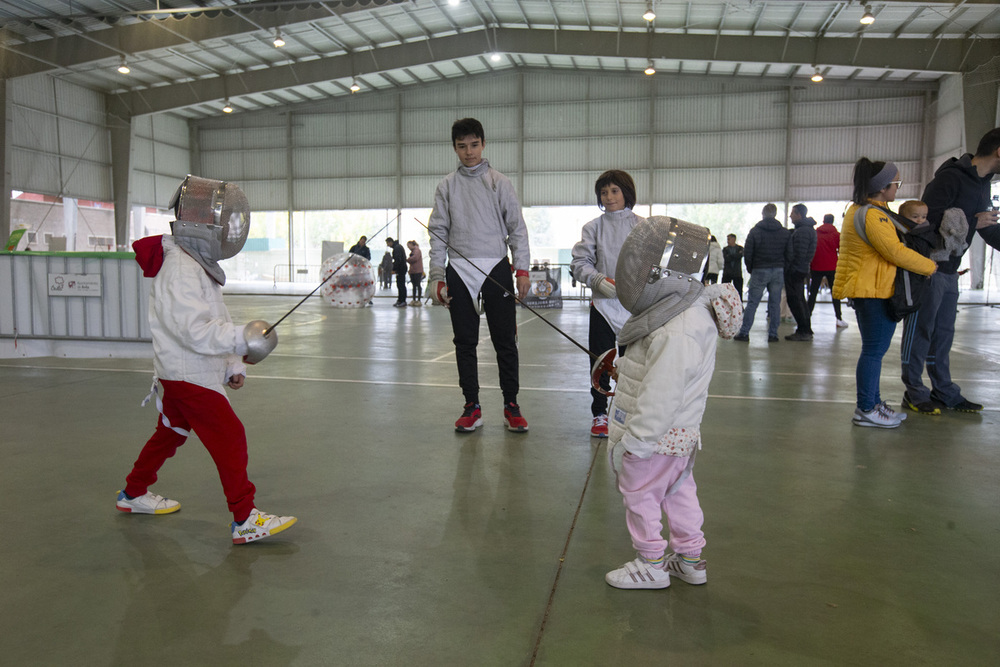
74 284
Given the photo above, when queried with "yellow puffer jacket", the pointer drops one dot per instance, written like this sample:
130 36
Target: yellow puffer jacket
869 271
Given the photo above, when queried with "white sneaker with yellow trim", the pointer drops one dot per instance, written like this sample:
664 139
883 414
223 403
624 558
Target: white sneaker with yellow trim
148 503
260 525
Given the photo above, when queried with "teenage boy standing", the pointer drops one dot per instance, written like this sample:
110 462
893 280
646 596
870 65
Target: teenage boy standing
477 213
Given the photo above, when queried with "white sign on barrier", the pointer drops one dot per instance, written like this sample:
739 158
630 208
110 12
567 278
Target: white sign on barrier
74 284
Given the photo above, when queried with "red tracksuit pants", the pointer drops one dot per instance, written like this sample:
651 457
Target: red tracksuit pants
211 417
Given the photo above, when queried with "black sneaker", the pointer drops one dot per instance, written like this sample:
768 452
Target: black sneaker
799 336
743 338
928 407
773 339
966 406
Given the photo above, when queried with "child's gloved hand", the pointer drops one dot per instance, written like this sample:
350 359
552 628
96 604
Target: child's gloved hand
605 286
259 345
437 288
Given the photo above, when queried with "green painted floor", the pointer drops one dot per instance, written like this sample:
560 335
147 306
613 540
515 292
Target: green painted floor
828 544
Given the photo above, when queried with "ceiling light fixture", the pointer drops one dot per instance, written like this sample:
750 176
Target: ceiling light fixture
868 18
354 86
650 70
649 14
454 3
123 67
817 76
227 108
278 41
495 57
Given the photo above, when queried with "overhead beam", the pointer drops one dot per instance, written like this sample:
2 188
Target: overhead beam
46 55
940 55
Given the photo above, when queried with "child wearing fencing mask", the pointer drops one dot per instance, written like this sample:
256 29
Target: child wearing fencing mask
196 350
661 395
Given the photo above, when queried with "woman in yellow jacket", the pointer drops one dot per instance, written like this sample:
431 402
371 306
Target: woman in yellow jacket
866 273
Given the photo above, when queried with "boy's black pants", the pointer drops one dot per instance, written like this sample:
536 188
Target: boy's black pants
501 317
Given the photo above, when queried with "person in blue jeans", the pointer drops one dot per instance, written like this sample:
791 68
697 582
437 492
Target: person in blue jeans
765 253
928 334
866 273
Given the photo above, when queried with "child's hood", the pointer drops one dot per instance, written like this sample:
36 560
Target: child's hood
149 254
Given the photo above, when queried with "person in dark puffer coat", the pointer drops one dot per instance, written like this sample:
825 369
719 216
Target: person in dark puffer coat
765 253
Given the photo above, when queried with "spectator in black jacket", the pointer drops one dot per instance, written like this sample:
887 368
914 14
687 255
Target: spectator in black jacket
765 253
361 248
928 333
803 247
732 263
399 268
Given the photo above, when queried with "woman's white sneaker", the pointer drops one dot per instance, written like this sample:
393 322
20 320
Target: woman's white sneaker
877 417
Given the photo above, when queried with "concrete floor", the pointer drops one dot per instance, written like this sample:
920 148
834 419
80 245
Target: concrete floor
828 544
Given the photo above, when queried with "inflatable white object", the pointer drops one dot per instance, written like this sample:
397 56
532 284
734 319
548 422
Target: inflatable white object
354 283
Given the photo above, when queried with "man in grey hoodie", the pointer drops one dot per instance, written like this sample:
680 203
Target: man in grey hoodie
765 253
803 247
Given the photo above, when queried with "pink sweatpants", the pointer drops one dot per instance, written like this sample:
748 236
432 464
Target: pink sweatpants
644 484
211 417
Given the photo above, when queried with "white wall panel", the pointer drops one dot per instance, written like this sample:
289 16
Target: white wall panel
949 128
616 153
161 158
706 140
429 160
849 113
35 131
629 116
418 191
557 189
84 141
265 195
543 87
34 172
60 139
556 155
556 120
758 110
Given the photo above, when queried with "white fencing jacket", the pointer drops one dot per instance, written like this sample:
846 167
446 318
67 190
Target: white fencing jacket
477 212
597 253
194 339
663 386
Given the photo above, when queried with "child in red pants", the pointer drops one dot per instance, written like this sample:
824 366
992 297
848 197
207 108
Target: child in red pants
197 348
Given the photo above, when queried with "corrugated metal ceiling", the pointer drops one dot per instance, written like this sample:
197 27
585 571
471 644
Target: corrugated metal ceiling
231 43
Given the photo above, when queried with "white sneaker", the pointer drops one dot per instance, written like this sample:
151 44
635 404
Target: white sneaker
693 574
260 525
149 503
638 574
901 416
877 417
841 324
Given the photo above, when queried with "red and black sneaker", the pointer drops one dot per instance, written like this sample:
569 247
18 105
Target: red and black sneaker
599 429
513 419
471 419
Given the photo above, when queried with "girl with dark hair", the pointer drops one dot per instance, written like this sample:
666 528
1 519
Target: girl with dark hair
866 273
595 257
